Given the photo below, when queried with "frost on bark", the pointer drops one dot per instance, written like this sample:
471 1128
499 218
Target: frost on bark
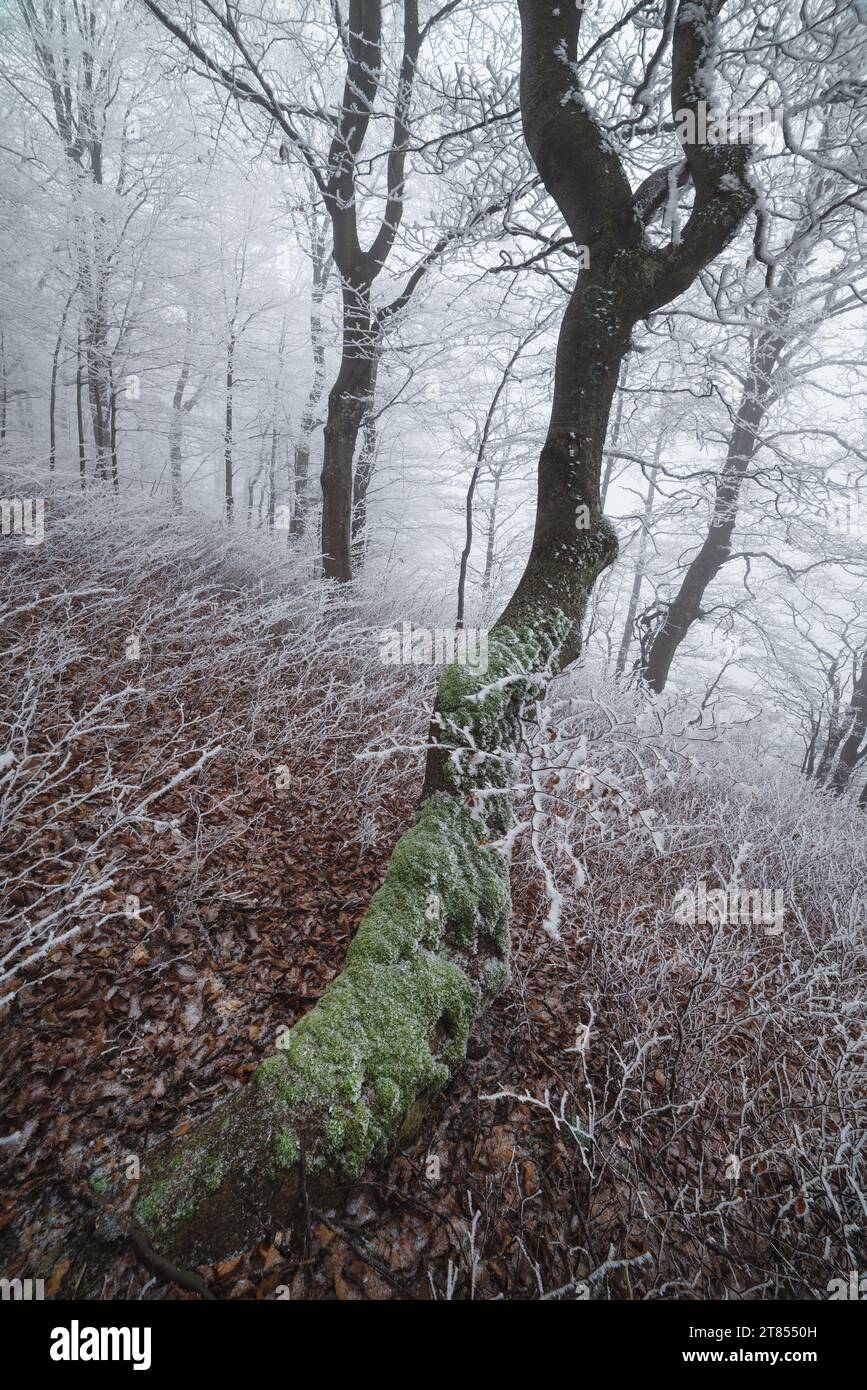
354 1075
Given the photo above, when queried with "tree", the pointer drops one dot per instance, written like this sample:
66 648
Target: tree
237 54
433 946
845 726
76 57
320 260
805 284
640 563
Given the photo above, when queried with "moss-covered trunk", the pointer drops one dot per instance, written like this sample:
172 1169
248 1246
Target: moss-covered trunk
433 949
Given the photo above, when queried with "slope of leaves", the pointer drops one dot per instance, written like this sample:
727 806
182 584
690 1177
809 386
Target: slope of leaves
189 840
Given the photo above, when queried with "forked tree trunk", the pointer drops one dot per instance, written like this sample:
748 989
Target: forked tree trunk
848 735
356 1072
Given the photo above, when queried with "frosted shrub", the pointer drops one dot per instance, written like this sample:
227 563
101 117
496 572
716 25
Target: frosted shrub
718 1069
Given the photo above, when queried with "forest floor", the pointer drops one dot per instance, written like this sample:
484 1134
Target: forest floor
209 917
136 1025
136 1032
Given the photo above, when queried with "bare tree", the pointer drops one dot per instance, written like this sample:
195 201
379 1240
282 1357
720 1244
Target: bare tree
242 64
796 301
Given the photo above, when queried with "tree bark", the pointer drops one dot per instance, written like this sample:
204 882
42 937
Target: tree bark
79 413
361 483
490 539
321 258
348 403
638 577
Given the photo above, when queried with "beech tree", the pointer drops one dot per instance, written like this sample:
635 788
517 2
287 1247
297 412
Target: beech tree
785 325
807 262
432 950
236 53
320 260
76 53
837 742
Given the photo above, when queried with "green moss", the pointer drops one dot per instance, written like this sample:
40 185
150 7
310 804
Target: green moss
47 1263
395 1023
212 1175
195 1170
101 1182
286 1149
150 1210
478 713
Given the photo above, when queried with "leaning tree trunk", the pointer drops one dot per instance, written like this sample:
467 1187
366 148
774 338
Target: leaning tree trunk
355 1074
715 550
